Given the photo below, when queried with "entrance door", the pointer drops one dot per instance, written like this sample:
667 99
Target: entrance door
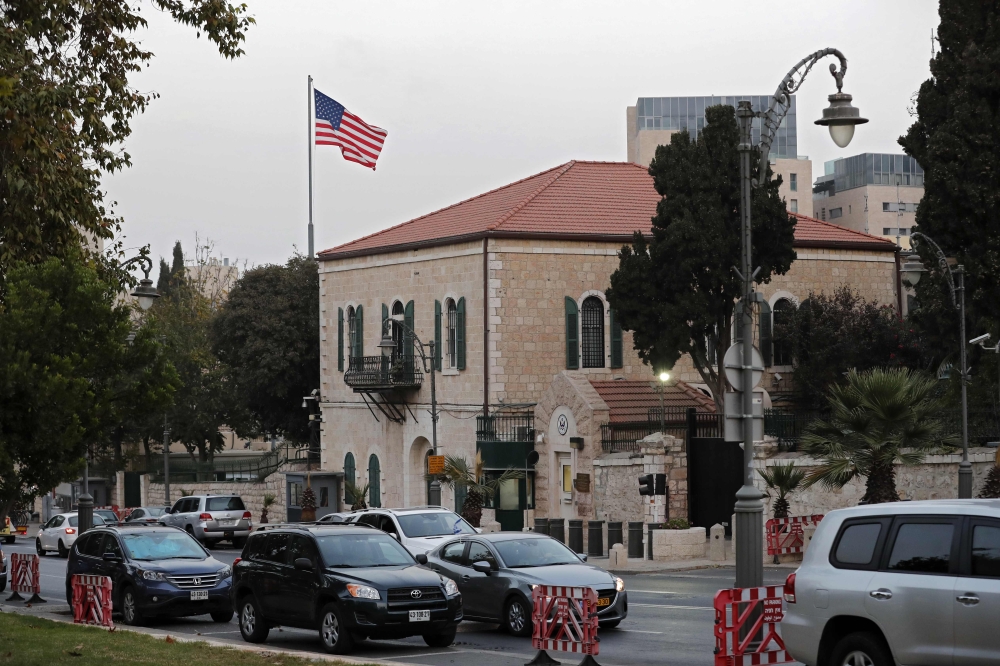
715 473
564 469
510 510
133 491
326 495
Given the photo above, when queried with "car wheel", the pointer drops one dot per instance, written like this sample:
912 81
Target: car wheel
3 584
442 639
517 617
210 544
239 542
333 632
69 595
63 552
253 627
38 548
610 625
131 614
11 539
222 616
861 648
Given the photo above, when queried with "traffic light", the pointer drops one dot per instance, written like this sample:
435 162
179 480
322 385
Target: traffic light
646 484
661 484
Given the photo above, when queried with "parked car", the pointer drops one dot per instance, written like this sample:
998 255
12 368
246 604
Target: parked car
60 533
347 582
335 518
3 571
419 529
906 583
145 514
496 573
211 518
109 516
154 571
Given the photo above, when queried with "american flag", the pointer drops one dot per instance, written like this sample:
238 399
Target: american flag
336 126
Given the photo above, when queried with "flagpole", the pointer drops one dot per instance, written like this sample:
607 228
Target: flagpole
309 134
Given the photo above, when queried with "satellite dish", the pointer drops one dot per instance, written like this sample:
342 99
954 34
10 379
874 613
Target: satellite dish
532 457
733 362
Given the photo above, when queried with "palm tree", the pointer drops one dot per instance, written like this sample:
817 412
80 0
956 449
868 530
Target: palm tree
356 495
784 480
457 472
269 500
879 417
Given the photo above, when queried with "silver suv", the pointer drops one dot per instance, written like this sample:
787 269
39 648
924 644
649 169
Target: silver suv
211 518
911 583
420 528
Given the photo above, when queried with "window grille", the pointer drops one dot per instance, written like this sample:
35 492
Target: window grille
352 333
593 332
452 334
397 331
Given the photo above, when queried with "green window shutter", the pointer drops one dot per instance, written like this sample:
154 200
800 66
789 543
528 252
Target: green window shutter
359 316
460 332
407 336
617 359
340 339
374 482
572 335
766 335
349 478
437 335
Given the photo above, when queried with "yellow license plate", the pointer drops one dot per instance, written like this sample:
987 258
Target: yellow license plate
603 601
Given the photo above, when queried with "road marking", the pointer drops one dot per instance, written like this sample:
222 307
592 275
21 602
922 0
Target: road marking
674 607
216 633
422 655
652 592
639 631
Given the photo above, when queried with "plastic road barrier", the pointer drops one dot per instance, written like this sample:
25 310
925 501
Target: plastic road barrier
92 600
784 535
24 578
565 619
746 627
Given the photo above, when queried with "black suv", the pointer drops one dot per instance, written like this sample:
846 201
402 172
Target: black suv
345 581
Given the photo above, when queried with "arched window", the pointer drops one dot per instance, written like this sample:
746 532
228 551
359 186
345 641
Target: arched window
783 310
592 332
397 331
350 477
374 482
452 354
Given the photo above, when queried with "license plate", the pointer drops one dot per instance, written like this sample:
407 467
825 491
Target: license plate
420 616
227 521
603 601
199 595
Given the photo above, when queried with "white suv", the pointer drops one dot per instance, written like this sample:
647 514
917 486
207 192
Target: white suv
913 583
420 529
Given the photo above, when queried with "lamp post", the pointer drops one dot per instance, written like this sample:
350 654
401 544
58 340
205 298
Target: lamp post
145 293
911 275
660 387
387 343
841 119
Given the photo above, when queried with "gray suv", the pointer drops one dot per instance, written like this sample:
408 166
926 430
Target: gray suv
911 583
211 518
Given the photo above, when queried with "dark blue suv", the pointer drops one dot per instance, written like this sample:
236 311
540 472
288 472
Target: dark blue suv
155 571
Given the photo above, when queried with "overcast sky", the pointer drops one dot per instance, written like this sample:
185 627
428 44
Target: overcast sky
474 95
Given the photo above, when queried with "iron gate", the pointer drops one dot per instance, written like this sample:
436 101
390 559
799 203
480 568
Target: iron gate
715 473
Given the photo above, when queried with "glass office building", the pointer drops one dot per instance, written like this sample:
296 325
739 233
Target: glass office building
875 169
688 113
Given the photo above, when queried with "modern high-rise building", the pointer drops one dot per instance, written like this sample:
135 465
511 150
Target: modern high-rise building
872 192
653 120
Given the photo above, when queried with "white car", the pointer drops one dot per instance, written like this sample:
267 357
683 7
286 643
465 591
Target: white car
60 533
420 529
908 583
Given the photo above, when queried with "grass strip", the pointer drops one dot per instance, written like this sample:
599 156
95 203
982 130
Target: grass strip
33 641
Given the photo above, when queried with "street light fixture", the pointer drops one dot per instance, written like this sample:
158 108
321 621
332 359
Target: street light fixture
841 117
911 275
145 293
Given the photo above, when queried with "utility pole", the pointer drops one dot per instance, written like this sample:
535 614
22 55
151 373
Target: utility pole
166 461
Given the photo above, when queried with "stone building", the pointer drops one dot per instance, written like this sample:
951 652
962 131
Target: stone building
510 286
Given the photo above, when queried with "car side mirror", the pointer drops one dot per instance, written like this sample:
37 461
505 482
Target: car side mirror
583 556
479 530
303 564
482 567
111 557
421 558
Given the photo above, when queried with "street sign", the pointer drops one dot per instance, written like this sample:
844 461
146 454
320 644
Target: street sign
734 416
733 362
435 464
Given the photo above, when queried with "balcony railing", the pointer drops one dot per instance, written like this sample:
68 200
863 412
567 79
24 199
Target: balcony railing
383 372
505 439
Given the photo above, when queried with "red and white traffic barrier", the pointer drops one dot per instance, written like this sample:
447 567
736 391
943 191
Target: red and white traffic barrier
785 535
746 627
565 619
24 578
92 600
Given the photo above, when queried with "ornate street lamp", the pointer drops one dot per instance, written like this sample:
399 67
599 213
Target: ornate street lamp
146 293
911 271
841 118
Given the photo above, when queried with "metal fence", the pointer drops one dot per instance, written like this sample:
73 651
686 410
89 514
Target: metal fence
506 428
677 421
246 469
383 371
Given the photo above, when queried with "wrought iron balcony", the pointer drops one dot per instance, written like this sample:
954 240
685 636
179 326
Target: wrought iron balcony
505 439
378 373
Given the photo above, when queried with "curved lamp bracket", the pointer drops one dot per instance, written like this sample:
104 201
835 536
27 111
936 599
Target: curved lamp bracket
942 263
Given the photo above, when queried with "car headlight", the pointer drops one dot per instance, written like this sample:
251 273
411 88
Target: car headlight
152 575
450 588
619 584
225 572
362 591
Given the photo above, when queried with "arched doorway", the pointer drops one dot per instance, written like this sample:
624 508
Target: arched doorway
374 482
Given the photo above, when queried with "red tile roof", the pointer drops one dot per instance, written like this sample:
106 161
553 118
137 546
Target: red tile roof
580 200
631 400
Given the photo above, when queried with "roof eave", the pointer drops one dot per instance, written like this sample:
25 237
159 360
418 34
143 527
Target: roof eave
846 245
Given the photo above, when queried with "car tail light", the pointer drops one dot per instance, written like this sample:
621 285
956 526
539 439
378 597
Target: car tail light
790 589
237 561
246 515
205 516
70 530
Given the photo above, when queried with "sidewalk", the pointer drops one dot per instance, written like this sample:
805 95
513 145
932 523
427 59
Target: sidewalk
637 566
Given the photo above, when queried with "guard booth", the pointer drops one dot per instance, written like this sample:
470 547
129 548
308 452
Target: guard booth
504 439
328 487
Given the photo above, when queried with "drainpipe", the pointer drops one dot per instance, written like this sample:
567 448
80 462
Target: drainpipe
486 327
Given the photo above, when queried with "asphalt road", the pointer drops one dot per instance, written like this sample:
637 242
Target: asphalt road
670 622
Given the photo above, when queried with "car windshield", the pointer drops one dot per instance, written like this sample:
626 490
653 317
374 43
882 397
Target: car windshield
435 523
74 520
153 512
162 546
224 504
518 553
363 550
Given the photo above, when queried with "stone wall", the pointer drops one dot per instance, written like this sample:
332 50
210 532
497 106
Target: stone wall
252 494
616 492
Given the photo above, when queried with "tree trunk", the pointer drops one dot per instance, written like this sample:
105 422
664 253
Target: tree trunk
781 508
881 486
472 509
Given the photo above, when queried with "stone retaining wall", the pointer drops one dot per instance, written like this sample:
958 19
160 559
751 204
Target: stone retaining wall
616 488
